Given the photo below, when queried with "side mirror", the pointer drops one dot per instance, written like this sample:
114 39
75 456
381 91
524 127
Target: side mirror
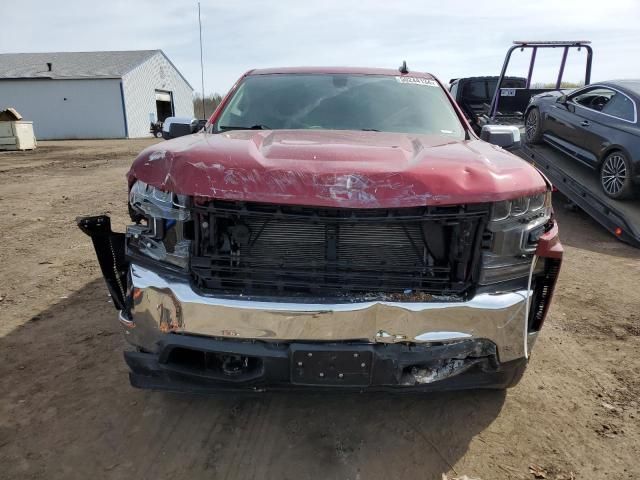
562 99
178 127
505 136
199 125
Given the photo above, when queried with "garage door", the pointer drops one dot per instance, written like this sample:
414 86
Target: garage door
163 96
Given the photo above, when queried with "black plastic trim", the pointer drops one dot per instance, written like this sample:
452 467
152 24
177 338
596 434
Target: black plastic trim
275 366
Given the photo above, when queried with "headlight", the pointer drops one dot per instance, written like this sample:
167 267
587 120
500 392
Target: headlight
515 225
520 206
157 203
536 202
162 235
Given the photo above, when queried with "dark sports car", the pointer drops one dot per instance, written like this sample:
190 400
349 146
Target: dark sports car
597 125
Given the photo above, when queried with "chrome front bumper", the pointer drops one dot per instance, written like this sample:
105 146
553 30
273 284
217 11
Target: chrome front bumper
163 304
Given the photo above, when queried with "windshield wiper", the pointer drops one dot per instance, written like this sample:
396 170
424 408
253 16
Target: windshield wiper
369 130
253 127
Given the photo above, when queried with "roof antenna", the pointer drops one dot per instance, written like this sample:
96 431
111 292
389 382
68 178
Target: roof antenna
204 115
403 68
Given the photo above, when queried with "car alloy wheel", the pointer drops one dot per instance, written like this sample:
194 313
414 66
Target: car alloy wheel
614 174
532 126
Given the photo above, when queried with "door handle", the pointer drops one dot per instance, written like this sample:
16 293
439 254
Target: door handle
585 123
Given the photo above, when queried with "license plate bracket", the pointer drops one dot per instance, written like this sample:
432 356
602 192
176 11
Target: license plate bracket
323 365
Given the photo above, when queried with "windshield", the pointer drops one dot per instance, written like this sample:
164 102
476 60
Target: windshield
341 102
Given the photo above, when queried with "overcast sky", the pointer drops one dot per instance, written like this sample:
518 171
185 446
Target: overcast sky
448 39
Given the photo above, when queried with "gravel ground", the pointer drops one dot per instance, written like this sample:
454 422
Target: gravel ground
67 410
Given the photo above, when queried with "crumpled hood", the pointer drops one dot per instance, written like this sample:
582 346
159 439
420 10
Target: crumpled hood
336 168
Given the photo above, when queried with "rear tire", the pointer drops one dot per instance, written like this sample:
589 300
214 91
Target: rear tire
615 176
533 127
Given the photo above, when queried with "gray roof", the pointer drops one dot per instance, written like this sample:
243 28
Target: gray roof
72 65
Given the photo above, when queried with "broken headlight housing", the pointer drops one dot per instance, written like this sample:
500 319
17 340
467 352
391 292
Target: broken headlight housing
157 203
515 227
163 229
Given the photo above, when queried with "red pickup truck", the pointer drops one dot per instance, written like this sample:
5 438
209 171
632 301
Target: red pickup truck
332 228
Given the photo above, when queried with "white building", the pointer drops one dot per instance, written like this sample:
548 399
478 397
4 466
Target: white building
93 94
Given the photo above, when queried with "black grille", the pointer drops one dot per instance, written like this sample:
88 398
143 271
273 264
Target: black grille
543 285
283 250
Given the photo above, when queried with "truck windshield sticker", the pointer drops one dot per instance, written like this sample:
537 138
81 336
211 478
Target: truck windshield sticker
417 81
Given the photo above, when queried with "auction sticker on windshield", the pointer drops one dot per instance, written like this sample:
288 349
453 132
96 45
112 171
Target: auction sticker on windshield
417 81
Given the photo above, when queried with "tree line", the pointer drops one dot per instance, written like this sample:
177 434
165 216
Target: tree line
211 101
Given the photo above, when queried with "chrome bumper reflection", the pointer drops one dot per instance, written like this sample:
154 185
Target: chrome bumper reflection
163 304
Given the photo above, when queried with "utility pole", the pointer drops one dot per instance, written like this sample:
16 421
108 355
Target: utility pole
204 115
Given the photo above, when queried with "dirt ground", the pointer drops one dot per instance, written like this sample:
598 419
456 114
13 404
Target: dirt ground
67 410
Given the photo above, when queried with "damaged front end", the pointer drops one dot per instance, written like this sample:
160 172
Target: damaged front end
224 295
110 250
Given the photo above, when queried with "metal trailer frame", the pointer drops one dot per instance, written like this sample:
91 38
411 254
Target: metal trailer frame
578 183
534 46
